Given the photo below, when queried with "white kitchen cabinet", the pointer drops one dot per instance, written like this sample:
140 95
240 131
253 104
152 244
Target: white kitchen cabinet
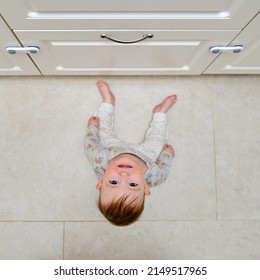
85 52
126 14
248 61
19 64
68 34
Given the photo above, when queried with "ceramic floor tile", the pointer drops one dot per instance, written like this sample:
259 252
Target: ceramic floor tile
44 173
45 176
237 130
31 241
189 192
163 240
43 170
190 132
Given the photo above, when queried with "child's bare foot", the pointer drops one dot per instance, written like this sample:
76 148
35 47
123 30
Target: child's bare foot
106 93
167 103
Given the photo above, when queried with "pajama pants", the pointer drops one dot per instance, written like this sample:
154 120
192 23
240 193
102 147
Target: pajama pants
151 147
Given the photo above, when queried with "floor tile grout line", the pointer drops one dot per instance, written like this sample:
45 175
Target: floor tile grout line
214 152
63 241
143 221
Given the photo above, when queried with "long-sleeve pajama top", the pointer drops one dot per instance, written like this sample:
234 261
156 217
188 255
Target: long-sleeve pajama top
99 157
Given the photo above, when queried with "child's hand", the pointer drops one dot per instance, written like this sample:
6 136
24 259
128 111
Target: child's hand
93 121
169 148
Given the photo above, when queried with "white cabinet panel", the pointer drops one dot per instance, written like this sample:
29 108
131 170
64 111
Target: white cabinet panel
85 52
245 62
134 14
19 64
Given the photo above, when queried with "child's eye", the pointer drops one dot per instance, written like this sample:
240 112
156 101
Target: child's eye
113 182
133 184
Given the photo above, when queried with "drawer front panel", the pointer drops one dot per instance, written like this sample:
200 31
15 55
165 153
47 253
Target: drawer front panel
85 52
135 14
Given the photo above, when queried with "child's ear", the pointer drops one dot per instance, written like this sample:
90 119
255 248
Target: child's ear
99 184
146 189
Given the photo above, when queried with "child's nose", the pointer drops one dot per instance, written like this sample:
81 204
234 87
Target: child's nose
124 173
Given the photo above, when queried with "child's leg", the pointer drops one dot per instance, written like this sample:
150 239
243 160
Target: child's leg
156 137
106 116
157 134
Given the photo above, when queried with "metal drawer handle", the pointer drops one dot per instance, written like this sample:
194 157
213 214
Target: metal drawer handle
146 36
234 49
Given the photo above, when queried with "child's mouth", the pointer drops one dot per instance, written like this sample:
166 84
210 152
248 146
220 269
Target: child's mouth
125 166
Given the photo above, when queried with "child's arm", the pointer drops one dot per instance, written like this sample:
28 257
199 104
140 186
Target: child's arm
95 152
160 170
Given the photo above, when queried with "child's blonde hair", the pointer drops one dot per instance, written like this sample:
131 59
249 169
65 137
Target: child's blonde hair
120 213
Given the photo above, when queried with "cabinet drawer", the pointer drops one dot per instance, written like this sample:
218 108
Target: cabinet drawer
85 52
134 14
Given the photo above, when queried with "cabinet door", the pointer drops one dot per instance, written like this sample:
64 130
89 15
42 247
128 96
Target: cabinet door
19 64
245 62
85 52
128 14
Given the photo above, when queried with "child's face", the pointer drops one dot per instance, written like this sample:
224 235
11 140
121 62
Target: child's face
124 177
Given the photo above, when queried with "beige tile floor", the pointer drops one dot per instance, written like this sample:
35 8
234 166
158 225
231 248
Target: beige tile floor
208 209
